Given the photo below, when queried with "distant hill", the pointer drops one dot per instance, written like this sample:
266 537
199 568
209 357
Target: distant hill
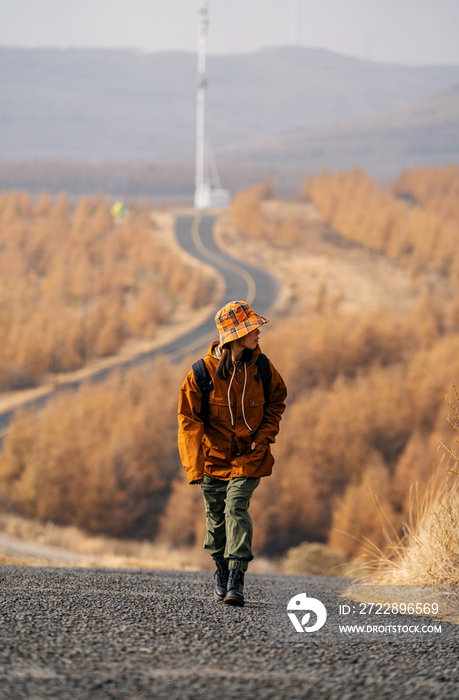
426 132
120 105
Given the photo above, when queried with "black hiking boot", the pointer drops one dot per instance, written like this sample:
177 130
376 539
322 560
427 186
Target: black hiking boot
234 594
221 579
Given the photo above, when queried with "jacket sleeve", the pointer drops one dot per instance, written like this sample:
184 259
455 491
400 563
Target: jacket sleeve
191 428
269 426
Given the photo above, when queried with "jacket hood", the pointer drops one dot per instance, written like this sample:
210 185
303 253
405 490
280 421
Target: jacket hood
215 350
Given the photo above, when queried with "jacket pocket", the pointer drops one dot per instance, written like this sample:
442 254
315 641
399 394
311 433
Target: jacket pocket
219 411
216 455
255 408
259 462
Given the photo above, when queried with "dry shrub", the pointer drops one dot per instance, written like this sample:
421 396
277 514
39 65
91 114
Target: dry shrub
427 552
183 523
328 440
436 189
418 237
246 213
428 375
312 559
319 349
102 458
414 466
429 318
73 285
364 514
249 217
143 320
200 292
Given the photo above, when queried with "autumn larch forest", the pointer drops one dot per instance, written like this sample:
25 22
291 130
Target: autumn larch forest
364 412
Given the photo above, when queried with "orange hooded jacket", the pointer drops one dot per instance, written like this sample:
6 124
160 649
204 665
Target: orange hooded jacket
237 417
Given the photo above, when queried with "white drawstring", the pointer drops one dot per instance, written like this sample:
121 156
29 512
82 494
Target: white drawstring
229 401
243 394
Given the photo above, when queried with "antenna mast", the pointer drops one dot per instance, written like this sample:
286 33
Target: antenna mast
201 195
208 192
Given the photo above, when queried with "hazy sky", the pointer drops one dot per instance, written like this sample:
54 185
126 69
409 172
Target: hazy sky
408 31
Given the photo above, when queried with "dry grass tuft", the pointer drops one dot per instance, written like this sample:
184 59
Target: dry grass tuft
313 559
428 551
427 554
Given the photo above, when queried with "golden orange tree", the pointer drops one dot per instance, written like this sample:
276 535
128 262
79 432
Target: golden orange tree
74 285
102 458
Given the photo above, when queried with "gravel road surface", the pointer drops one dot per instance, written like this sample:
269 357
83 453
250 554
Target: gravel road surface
73 633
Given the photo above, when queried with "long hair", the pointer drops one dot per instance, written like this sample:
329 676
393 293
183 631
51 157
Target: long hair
226 361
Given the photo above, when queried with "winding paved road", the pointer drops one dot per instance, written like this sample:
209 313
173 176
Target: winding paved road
243 281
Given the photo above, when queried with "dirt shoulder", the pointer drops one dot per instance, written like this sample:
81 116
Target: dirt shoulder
180 322
323 270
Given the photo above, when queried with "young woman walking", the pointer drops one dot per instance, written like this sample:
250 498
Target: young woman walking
225 432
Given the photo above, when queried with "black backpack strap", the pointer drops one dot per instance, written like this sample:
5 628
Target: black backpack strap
206 384
264 372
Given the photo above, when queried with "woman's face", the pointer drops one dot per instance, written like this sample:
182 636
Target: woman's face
250 340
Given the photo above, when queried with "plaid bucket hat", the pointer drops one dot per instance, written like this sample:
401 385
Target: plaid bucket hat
237 319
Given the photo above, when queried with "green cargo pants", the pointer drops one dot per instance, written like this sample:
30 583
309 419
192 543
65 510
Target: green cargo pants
229 525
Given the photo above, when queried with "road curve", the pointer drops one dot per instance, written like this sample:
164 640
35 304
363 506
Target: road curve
243 281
